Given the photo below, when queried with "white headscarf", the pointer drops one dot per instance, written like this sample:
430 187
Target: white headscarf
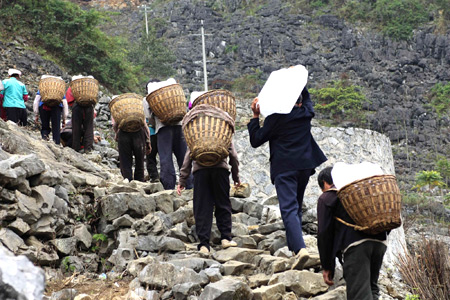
14 71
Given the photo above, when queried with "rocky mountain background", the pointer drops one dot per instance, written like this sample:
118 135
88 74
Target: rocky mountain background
396 76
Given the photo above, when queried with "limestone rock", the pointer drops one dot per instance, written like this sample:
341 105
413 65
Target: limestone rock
10 240
226 289
270 292
243 191
21 275
302 283
235 253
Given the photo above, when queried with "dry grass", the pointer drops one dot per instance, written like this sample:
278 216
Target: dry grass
427 271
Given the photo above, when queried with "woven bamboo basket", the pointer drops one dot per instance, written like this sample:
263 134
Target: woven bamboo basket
128 111
85 91
168 103
374 203
220 98
208 135
52 90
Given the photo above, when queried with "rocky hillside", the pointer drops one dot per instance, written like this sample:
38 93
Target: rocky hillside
395 76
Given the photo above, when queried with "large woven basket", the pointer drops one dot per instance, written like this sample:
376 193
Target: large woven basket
220 98
128 111
85 91
168 103
52 90
208 131
374 203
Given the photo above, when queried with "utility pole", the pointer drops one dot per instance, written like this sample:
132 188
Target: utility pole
146 21
205 75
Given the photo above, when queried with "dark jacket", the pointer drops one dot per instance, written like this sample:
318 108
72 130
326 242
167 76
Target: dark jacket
333 236
292 147
190 164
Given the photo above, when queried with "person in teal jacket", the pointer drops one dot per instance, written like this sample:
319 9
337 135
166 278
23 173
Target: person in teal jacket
14 97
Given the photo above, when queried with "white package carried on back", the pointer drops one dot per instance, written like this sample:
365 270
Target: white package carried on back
344 174
281 90
156 85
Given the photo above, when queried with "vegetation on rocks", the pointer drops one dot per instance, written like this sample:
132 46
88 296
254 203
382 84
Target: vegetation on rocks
72 37
341 100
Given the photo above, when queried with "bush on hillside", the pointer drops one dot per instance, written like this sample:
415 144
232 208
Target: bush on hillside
440 98
341 101
70 34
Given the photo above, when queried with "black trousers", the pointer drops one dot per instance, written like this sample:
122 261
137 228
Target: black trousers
212 190
362 264
152 167
171 140
17 115
53 115
132 144
82 127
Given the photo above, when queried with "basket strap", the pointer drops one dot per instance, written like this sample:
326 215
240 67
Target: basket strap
356 227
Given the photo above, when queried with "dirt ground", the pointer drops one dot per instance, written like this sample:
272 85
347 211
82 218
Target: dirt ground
98 289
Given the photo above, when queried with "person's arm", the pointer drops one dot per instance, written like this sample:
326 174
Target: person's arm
325 235
234 163
36 101
25 94
306 102
185 171
65 109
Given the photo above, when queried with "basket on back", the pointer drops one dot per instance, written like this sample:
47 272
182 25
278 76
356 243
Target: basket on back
220 98
168 103
52 90
208 131
374 203
128 111
85 90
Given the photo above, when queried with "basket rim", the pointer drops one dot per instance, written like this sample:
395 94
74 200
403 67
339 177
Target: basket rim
128 95
51 79
148 95
84 78
364 179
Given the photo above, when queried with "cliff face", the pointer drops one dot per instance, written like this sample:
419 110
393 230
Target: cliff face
395 76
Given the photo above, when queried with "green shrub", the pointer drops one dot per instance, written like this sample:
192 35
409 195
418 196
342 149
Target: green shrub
342 101
248 85
428 178
443 167
398 18
440 98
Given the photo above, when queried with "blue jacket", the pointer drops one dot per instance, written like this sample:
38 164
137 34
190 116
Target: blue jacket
14 92
292 147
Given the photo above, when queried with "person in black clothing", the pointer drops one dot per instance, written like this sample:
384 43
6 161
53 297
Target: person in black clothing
294 155
362 253
82 127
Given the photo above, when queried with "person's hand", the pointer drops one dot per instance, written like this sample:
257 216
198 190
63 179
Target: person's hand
179 189
255 108
237 183
63 123
148 148
36 119
328 277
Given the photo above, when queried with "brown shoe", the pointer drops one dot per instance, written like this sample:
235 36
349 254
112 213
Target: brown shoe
227 244
300 259
204 250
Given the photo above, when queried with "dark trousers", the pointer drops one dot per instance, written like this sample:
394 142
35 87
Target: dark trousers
290 188
362 264
171 140
17 115
132 144
152 167
82 127
53 115
212 190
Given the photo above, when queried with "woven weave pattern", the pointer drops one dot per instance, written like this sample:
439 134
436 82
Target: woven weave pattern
208 136
222 99
52 90
373 203
85 91
168 103
128 111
